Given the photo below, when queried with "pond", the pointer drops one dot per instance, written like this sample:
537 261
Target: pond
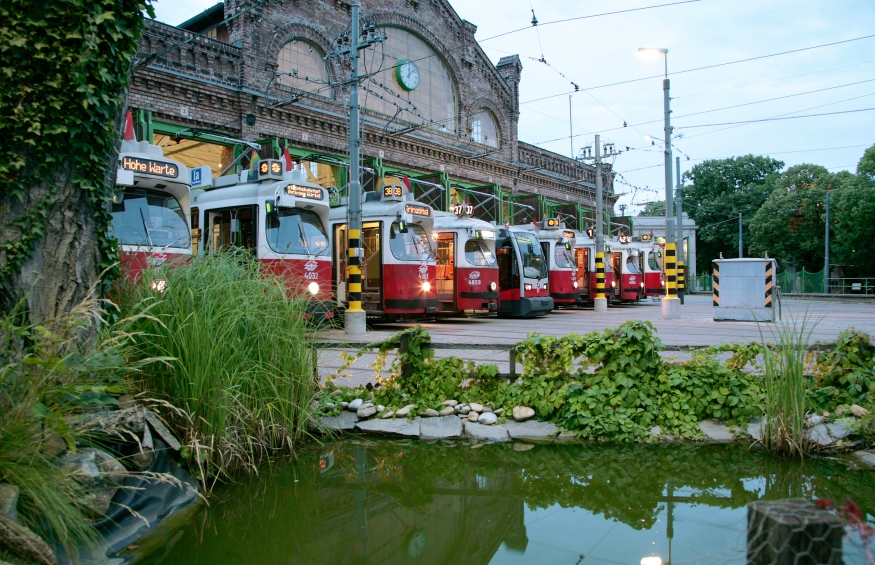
365 501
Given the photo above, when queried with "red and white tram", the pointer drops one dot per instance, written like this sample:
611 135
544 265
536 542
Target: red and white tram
398 268
467 270
523 278
651 264
281 219
625 259
557 244
584 259
150 208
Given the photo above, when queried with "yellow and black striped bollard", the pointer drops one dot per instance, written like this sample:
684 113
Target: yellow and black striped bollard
671 279
682 281
600 275
716 285
354 273
768 284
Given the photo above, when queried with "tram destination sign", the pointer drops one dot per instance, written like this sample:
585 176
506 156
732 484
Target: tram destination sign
305 192
418 210
150 167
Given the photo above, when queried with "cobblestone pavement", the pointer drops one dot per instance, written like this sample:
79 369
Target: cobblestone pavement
695 328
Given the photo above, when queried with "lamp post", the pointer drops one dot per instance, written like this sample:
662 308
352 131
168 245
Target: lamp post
671 305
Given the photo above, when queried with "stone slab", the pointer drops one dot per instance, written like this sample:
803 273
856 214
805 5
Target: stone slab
494 433
442 427
716 432
755 430
531 430
392 427
343 421
867 458
9 501
827 434
161 429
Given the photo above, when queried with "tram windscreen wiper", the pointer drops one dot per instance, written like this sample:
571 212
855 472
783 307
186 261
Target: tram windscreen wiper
146 227
304 238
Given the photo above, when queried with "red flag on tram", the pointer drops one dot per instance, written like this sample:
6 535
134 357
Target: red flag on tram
129 128
406 181
287 157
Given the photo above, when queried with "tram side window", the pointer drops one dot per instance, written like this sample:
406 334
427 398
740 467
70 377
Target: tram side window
654 259
632 264
149 218
545 247
232 228
296 231
410 246
478 254
563 257
616 259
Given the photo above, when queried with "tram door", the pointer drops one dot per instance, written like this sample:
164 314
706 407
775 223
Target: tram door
508 274
617 262
446 267
232 228
372 267
581 256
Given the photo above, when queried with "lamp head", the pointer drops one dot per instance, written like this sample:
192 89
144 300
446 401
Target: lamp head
651 53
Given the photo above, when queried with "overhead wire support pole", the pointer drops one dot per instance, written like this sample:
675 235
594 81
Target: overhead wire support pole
826 249
682 275
600 302
740 238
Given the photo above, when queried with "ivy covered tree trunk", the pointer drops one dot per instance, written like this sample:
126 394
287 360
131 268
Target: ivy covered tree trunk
64 69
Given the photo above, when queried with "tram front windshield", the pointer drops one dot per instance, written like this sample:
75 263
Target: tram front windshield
292 230
476 253
149 218
410 246
653 260
534 265
632 264
563 257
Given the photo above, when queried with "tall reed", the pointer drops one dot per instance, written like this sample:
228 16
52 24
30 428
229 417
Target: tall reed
787 388
241 366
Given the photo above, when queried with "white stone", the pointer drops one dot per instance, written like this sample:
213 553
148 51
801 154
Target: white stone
463 410
487 410
380 407
403 412
487 418
866 457
440 428
531 430
473 416
716 432
366 410
355 405
476 407
344 404
499 411
828 434
858 411
522 413
429 413
813 420
450 403
522 446
448 411
388 414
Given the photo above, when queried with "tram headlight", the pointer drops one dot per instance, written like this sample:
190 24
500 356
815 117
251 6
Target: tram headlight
158 285
426 286
313 288
492 286
642 285
574 284
614 283
527 286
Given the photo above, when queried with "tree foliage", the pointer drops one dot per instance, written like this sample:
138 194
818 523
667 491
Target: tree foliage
65 67
866 166
653 209
719 190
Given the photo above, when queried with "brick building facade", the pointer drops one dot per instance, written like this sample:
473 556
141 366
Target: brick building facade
264 77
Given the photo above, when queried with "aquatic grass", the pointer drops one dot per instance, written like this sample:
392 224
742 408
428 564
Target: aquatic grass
787 389
240 369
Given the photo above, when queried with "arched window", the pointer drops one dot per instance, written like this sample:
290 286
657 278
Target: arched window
484 129
413 80
305 67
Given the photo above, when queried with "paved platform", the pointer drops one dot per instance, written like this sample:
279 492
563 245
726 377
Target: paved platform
695 328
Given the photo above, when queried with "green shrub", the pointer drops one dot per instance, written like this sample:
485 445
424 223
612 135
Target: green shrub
845 374
240 360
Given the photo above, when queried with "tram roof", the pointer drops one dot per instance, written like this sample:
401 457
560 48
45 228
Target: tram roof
256 190
447 220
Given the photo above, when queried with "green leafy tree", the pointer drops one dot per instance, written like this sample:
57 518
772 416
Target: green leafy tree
653 209
790 225
719 190
64 70
852 234
866 166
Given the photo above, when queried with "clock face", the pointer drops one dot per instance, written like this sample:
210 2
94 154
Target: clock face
407 74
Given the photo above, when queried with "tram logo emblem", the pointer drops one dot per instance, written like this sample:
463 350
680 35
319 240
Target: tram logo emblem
423 269
311 265
632 280
474 275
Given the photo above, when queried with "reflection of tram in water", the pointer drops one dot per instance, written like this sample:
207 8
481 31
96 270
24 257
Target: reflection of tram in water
625 259
398 267
281 219
467 270
150 208
523 278
558 245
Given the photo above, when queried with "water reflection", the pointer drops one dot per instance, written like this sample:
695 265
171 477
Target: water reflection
381 502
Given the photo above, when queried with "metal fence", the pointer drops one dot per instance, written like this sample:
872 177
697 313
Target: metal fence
803 282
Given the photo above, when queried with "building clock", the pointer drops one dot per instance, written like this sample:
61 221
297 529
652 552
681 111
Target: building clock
407 74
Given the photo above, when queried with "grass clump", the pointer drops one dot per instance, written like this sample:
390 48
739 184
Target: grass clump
241 364
47 373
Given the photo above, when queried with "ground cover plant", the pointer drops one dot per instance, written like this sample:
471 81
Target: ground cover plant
614 385
240 363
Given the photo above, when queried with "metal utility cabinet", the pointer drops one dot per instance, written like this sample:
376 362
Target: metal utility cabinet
744 290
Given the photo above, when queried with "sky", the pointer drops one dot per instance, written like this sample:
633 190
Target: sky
596 51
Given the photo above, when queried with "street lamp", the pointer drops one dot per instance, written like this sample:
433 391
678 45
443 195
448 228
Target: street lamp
671 304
